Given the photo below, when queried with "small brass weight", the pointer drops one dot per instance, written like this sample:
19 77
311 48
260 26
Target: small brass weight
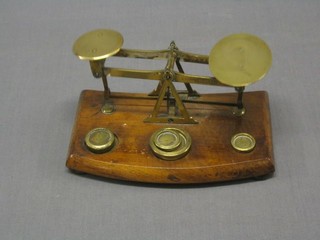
170 135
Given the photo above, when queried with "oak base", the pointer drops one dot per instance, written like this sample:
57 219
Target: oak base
211 158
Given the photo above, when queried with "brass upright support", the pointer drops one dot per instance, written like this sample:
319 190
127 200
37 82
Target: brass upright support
166 86
239 110
97 69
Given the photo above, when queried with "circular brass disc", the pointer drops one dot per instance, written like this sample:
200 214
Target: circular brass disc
170 143
243 142
100 140
107 108
240 59
167 139
98 44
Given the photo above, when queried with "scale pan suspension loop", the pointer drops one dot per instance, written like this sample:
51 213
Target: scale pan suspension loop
239 60
98 44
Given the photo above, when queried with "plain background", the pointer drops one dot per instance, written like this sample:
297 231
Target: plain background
40 84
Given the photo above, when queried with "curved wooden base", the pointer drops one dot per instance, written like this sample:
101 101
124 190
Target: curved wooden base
211 158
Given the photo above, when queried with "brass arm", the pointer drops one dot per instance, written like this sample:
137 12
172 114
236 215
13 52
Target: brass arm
189 78
130 73
143 54
158 75
162 54
191 57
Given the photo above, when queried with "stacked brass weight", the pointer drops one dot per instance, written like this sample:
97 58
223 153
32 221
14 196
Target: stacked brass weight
100 140
170 143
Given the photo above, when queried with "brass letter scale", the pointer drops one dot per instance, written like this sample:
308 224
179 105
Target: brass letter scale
174 136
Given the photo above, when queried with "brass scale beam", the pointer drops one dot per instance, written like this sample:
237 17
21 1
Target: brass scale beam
165 89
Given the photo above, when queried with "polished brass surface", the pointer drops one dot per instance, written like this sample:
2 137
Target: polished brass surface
98 44
100 140
107 108
170 143
163 54
168 87
238 111
240 59
236 61
243 142
167 140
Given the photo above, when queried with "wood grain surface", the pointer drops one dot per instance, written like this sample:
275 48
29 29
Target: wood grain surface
211 158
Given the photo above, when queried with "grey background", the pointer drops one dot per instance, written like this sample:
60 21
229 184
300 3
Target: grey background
40 84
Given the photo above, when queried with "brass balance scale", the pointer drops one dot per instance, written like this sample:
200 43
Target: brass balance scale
169 135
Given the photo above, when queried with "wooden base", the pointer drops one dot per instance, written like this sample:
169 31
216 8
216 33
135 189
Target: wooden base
211 158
